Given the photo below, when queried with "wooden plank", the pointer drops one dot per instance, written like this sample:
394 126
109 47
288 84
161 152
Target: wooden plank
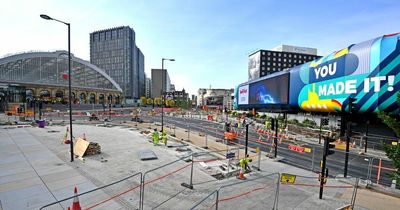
80 147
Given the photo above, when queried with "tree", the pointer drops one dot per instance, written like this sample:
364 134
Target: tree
149 101
143 100
157 101
392 151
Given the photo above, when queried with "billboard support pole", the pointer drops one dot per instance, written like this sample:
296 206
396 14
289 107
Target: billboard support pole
320 130
346 162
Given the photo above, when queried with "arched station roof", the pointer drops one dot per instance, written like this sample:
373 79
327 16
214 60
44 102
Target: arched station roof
51 68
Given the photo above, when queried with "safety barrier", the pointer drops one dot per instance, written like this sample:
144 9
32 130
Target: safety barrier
257 193
111 196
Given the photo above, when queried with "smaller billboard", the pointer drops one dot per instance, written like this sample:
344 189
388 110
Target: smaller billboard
243 95
254 66
215 101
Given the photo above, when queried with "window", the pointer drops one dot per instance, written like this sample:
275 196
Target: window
295 56
290 55
279 59
274 54
284 65
290 60
262 58
269 58
274 59
262 73
284 60
279 64
263 68
269 53
279 55
273 64
263 53
284 55
268 63
268 68
299 56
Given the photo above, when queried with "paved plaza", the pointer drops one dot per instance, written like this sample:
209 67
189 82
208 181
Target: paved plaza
35 170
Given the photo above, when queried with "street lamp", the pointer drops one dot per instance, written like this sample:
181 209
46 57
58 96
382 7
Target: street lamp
162 90
46 17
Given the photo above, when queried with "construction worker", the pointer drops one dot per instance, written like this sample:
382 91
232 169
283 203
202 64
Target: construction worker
155 137
164 137
244 163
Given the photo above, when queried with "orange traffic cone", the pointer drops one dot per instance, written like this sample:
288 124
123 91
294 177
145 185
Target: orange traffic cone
75 203
241 175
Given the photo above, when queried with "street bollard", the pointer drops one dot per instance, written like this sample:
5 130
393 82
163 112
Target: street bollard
217 200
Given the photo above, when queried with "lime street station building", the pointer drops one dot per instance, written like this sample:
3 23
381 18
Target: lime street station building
44 76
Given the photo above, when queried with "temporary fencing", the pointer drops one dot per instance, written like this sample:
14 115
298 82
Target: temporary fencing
253 193
110 196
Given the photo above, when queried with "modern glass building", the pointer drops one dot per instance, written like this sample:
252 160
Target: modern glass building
115 51
44 76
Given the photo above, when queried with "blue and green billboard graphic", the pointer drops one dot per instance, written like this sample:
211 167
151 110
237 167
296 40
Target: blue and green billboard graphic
368 71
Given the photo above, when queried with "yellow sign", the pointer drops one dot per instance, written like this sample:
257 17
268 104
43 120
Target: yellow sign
308 150
288 178
394 143
257 149
320 163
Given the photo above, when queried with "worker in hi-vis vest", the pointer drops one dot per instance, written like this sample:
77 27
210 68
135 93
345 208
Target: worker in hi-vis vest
155 137
244 163
164 137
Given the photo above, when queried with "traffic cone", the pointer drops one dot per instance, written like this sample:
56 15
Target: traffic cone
75 203
241 175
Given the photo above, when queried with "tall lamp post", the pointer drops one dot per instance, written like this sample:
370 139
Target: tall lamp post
69 79
162 90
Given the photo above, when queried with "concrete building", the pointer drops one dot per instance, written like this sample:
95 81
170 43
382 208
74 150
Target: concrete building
148 88
264 62
156 81
115 51
215 98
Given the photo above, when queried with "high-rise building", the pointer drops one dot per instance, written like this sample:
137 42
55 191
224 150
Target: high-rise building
148 88
264 62
115 51
142 76
156 81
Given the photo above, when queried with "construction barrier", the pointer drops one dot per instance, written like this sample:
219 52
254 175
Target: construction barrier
252 193
110 196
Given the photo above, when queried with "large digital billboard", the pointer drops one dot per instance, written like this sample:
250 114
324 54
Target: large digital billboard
368 71
273 90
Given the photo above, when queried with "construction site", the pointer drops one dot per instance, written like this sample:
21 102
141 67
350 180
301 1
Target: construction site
118 166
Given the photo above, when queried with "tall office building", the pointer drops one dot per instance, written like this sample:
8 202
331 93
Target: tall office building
156 80
264 62
148 88
115 51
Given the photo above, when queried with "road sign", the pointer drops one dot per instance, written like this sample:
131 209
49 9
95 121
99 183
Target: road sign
230 155
308 150
394 143
288 178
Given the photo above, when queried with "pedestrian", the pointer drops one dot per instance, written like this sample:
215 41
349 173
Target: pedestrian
155 137
164 137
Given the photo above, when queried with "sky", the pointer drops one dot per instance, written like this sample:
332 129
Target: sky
209 39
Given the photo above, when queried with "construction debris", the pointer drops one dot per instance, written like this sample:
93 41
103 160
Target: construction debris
93 149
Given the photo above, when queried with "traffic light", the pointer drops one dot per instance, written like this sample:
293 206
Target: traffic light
342 125
328 147
352 105
272 123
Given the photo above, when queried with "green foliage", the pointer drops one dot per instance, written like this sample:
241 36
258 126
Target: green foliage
392 151
309 123
293 122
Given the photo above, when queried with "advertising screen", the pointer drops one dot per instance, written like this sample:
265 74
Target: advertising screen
254 66
215 101
273 90
243 95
